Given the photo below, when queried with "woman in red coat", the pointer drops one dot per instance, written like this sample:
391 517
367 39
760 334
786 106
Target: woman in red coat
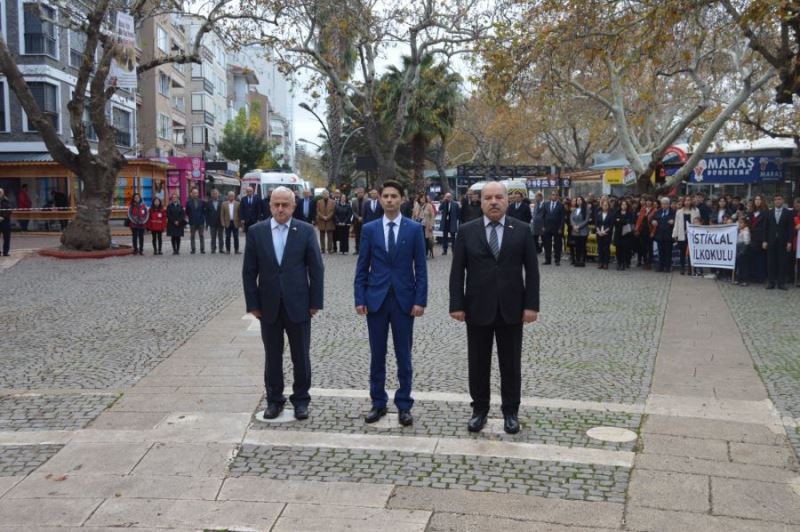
137 220
157 224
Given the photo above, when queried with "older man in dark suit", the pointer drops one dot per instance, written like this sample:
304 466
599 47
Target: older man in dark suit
451 217
492 253
778 243
554 218
283 288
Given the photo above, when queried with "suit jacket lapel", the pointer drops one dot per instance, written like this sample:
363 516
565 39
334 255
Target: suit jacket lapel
484 240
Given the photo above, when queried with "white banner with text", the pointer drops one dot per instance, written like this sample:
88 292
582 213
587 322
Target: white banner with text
712 246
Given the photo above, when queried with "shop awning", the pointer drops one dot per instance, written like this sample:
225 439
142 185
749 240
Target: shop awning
223 179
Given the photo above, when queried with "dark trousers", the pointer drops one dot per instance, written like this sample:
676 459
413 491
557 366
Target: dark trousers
343 237
402 324
552 245
776 263
5 230
157 241
509 356
604 249
357 234
665 255
231 230
742 264
646 246
447 237
200 231
216 237
758 263
299 335
580 250
137 235
176 244
538 239
682 245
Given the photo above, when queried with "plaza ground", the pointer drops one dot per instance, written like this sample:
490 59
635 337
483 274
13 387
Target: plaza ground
130 387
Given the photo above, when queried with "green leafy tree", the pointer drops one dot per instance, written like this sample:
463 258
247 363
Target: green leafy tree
244 140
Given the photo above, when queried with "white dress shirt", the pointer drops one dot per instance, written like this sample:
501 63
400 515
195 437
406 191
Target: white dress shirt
230 211
386 229
487 224
279 236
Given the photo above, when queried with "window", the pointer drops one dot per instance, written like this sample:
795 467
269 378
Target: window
122 123
3 104
46 95
40 30
179 103
179 137
198 135
198 101
164 127
162 40
164 83
86 120
77 45
197 70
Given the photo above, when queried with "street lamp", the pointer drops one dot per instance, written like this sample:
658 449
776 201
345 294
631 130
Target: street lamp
309 142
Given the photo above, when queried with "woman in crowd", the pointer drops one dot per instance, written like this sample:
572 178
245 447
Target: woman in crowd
137 220
157 224
644 232
424 214
343 217
604 225
723 211
683 217
176 221
623 234
579 220
742 252
758 235
636 245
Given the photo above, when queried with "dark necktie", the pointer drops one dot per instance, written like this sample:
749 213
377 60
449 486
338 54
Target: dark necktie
392 243
494 242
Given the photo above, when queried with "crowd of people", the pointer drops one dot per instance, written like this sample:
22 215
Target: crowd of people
637 231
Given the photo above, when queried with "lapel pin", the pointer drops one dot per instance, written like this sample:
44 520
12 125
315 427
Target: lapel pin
294 228
511 227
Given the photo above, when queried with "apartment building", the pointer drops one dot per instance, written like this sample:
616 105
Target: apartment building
162 106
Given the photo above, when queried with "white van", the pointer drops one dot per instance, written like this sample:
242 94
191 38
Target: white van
262 181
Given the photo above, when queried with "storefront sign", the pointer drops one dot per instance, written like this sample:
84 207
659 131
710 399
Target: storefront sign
713 246
548 182
722 169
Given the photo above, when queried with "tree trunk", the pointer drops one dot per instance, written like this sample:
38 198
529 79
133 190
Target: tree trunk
419 145
643 183
90 230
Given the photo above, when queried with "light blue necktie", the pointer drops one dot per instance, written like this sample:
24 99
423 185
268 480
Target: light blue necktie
280 243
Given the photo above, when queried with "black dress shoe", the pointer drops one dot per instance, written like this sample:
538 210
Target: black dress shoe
477 421
511 424
375 415
405 418
546 262
300 412
770 287
782 287
273 411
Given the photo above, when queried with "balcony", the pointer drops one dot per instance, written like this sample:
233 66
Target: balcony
123 138
208 86
40 43
208 118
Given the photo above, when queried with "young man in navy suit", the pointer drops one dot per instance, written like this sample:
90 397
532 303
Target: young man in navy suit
283 288
391 288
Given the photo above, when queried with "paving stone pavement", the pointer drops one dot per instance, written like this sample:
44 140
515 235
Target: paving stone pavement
19 460
100 324
51 412
499 475
771 335
447 419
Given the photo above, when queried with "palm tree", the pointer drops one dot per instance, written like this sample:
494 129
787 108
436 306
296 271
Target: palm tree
432 113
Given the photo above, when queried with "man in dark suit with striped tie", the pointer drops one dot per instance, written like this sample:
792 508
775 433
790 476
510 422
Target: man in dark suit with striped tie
491 254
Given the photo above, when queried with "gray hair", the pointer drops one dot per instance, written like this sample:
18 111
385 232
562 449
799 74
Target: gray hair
282 190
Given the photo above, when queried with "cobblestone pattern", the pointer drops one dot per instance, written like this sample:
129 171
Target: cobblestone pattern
51 412
501 475
19 460
99 324
768 321
596 338
562 427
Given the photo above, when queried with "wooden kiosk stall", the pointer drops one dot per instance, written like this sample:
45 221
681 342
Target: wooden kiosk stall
54 191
